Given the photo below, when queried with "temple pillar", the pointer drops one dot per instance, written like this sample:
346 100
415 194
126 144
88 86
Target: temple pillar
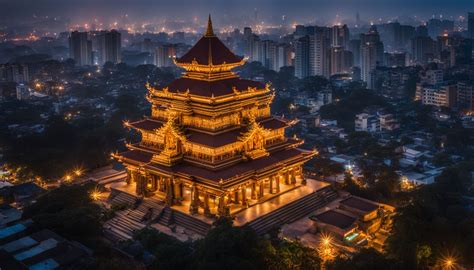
223 209
140 183
271 184
207 211
260 190
236 197
129 177
277 183
292 177
169 191
244 195
253 193
194 206
286 177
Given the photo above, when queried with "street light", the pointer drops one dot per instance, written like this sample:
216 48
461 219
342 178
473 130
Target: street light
78 172
96 194
449 263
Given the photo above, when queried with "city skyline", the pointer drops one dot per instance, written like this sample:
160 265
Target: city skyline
300 135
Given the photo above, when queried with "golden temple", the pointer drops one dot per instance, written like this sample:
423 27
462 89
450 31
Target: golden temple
211 145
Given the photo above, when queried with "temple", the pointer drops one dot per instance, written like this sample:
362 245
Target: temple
211 146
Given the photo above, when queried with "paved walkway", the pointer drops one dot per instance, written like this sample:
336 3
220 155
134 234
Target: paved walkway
268 206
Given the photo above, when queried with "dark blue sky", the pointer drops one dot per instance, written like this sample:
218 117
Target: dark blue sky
321 9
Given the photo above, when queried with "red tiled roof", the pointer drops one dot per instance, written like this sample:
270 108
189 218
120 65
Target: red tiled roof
273 123
147 124
209 48
226 173
216 88
137 156
240 168
214 140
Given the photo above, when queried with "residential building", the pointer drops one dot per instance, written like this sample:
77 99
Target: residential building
80 48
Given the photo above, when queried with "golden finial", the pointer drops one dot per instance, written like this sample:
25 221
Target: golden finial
209 31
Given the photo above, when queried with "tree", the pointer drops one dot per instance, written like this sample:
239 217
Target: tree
366 259
69 211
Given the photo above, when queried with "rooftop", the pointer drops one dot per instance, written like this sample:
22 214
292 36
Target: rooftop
360 204
335 218
209 50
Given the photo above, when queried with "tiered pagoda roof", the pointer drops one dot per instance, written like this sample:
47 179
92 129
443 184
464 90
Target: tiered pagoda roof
209 50
218 143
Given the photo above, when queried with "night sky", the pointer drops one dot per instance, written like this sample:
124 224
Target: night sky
233 9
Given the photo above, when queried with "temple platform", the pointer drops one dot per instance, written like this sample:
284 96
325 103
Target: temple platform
274 211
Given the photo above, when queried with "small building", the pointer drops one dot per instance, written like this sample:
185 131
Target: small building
423 178
22 193
365 209
336 222
23 248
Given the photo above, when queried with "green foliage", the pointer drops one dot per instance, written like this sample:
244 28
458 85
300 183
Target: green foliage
327 167
69 211
62 147
435 218
345 110
366 259
168 251
227 247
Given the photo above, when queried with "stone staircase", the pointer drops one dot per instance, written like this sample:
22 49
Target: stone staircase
191 223
170 217
118 197
122 226
293 210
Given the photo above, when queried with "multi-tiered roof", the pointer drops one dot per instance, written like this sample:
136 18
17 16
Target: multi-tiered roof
210 126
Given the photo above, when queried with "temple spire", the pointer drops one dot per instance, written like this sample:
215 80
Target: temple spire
209 31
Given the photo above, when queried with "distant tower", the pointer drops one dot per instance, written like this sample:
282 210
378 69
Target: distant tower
357 19
470 24
371 54
80 48
302 57
110 46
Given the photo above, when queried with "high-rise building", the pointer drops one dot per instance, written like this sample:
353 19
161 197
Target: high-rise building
340 36
396 59
110 47
283 56
470 24
371 54
354 47
421 31
253 48
302 57
247 32
423 50
320 58
14 73
164 55
341 60
300 31
80 48
437 27
268 54
466 94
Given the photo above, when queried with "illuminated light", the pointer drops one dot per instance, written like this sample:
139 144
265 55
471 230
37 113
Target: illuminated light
149 185
68 177
96 194
78 172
